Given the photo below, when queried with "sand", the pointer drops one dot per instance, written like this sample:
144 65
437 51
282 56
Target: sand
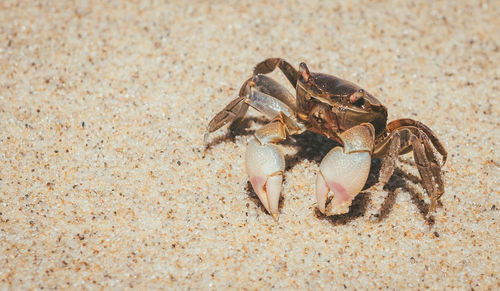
104 183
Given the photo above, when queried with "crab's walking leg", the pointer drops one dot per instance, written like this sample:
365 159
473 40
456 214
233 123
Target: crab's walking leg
389 162
405 139
344 170
428 168
268 65
399 124
238 107
268 86
234 110
413 136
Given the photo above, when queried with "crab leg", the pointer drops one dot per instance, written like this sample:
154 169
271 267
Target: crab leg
399 124
262 93
344 170
428 168
420 141
268 65
389 162
267 85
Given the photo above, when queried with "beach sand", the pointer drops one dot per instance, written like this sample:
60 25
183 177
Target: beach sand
104 182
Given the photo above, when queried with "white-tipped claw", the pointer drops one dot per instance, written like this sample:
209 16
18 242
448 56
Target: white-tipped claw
344 175
265 165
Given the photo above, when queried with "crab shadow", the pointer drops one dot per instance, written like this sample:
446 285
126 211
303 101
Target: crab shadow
313 147
240 127
405 182
357 209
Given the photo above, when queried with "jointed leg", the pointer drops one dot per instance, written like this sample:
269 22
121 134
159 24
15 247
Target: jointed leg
413 124
267 104
409 138
389 162
435 167
268 65
260 92
234 110
428 168
267 85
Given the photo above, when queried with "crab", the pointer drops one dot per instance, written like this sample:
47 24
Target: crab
341 111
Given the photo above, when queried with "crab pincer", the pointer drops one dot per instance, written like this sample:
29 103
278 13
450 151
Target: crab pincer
344 170
265 165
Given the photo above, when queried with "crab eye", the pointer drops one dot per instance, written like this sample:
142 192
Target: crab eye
357 98
304 72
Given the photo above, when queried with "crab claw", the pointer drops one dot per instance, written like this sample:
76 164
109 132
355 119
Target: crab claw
344 171
265 165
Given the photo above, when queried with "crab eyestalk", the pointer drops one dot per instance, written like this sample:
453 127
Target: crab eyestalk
344 171
304 72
